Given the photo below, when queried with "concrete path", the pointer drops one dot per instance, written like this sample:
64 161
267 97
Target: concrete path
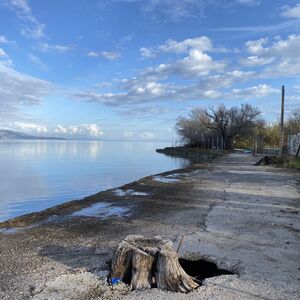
245 218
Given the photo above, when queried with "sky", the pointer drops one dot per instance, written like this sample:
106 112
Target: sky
127 69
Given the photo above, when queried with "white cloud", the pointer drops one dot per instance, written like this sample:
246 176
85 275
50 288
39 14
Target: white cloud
110 55
260 90
147 53
45 47
291 12
2 53
195 64
256 47
252 61
79 130
4 40
281 55
92 54
196 75
201 43
36 61
35 32
22 6
142 91
60 129
31 27
18 89
28 127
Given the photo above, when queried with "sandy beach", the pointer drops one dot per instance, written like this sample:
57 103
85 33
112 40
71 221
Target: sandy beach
242 217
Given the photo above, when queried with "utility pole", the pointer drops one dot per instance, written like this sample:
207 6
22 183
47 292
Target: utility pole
282 121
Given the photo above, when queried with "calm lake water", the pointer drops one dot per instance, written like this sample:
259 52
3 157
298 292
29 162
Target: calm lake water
35 175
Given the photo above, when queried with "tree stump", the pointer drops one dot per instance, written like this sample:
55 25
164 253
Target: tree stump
144 263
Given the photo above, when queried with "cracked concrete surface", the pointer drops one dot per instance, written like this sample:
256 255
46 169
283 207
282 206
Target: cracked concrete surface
243 217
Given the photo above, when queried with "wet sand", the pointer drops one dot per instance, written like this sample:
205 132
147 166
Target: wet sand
245 218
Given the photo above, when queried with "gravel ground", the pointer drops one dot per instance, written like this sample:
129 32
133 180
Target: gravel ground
242 217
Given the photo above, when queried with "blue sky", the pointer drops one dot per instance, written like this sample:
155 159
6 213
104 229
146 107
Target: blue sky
126 69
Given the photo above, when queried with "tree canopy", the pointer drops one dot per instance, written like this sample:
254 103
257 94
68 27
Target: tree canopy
227 123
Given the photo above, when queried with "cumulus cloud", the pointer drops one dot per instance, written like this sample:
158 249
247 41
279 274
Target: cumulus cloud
202 44
260 90
139 90
291 12
284 55
196 63
253 61
31 27
147 53
79 130
257 46
28 127
18 89
198 76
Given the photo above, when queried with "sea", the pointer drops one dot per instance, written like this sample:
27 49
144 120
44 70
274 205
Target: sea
35 175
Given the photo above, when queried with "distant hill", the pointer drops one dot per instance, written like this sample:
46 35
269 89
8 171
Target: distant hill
14 135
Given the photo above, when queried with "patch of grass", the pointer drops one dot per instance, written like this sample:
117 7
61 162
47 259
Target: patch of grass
288 162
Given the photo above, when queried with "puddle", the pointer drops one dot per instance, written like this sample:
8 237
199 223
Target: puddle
102 210
201 269
165 179
130 192
14 230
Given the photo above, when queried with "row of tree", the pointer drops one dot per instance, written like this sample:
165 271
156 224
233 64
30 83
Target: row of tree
227 128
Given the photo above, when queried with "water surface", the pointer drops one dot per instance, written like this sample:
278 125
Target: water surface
35 175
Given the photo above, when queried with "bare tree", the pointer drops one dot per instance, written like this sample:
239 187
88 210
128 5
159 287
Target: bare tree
234 122
230 123
193 128
294 122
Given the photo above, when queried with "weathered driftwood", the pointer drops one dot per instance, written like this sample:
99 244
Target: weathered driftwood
144 263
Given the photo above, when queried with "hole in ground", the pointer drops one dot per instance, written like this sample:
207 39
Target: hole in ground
198 269
201 269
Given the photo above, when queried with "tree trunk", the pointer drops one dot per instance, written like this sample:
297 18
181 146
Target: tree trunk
144 263
169 274
298 151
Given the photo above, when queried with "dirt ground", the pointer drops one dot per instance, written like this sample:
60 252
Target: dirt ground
242 217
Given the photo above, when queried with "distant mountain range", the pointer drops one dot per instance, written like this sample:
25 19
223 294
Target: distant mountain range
14 135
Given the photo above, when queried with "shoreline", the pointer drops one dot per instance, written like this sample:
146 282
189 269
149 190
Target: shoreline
242 217
72 206
196 157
